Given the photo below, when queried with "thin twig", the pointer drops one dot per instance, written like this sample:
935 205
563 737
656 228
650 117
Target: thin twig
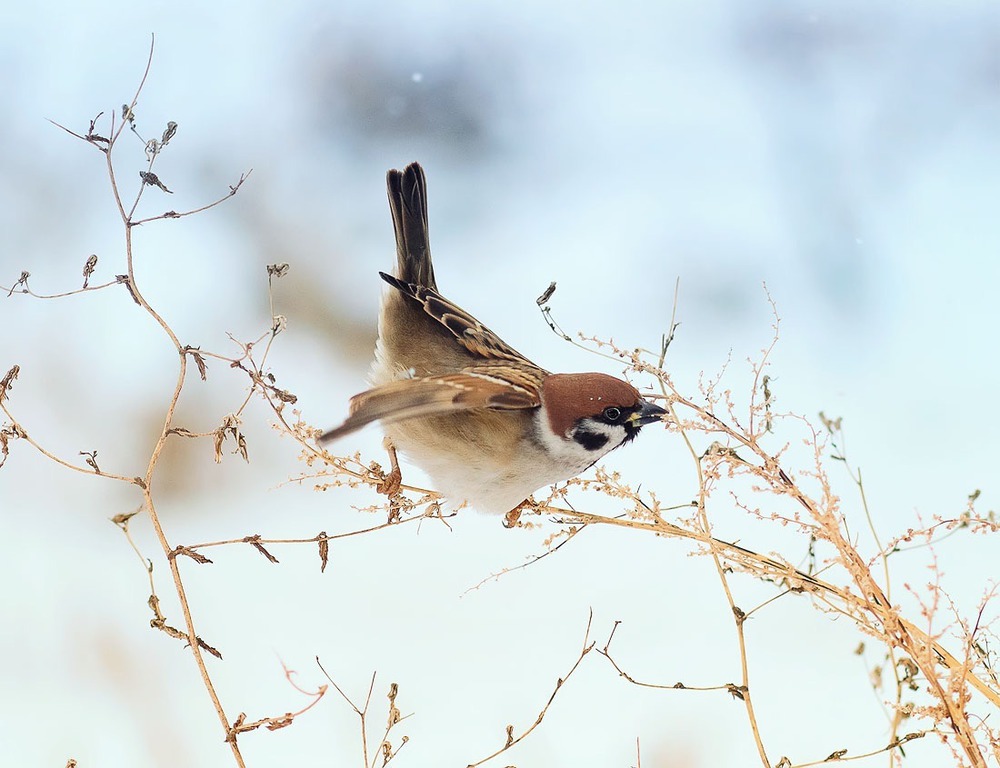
511 739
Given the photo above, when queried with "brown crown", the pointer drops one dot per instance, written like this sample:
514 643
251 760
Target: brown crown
569 397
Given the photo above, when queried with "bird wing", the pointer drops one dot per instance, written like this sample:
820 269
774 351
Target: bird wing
468 331
489 387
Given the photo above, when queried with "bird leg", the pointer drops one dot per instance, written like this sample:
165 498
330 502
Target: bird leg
391 483
512 519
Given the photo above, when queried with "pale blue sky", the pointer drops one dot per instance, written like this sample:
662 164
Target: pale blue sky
845 154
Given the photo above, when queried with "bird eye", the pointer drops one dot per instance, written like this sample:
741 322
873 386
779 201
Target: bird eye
612 414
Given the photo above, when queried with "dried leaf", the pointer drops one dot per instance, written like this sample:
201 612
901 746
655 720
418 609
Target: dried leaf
199 360
280 722
255 541
122 518
768 401
91 135
220 436
169 132
228 428
546 295
7 434
91 458
278 270
151 179
324 551
206 647
173 632
154 605
7 382
88 268
188 552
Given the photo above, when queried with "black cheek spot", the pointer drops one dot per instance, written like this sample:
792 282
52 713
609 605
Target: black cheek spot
592 441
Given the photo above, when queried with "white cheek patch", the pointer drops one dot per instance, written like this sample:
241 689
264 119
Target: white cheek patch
572 452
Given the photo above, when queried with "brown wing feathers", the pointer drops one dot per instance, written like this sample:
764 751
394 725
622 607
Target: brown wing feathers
468 331
433 396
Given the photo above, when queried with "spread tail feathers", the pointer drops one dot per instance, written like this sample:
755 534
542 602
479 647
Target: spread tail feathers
408 202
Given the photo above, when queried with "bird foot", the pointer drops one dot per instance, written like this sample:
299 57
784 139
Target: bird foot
392 482
512 519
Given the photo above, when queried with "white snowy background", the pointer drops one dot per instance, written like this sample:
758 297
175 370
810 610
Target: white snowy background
844 154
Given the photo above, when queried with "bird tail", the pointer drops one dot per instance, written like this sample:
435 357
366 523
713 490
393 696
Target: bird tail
408 203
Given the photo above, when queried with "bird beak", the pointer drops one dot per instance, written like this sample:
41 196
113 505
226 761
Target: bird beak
647 414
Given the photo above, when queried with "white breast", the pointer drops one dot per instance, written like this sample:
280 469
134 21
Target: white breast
490 479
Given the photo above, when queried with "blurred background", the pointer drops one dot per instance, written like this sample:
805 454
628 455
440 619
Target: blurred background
844 155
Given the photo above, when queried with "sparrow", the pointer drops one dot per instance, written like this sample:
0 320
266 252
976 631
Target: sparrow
487 425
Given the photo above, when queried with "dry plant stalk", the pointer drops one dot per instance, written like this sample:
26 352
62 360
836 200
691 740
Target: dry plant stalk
104 133
737 449
393 718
